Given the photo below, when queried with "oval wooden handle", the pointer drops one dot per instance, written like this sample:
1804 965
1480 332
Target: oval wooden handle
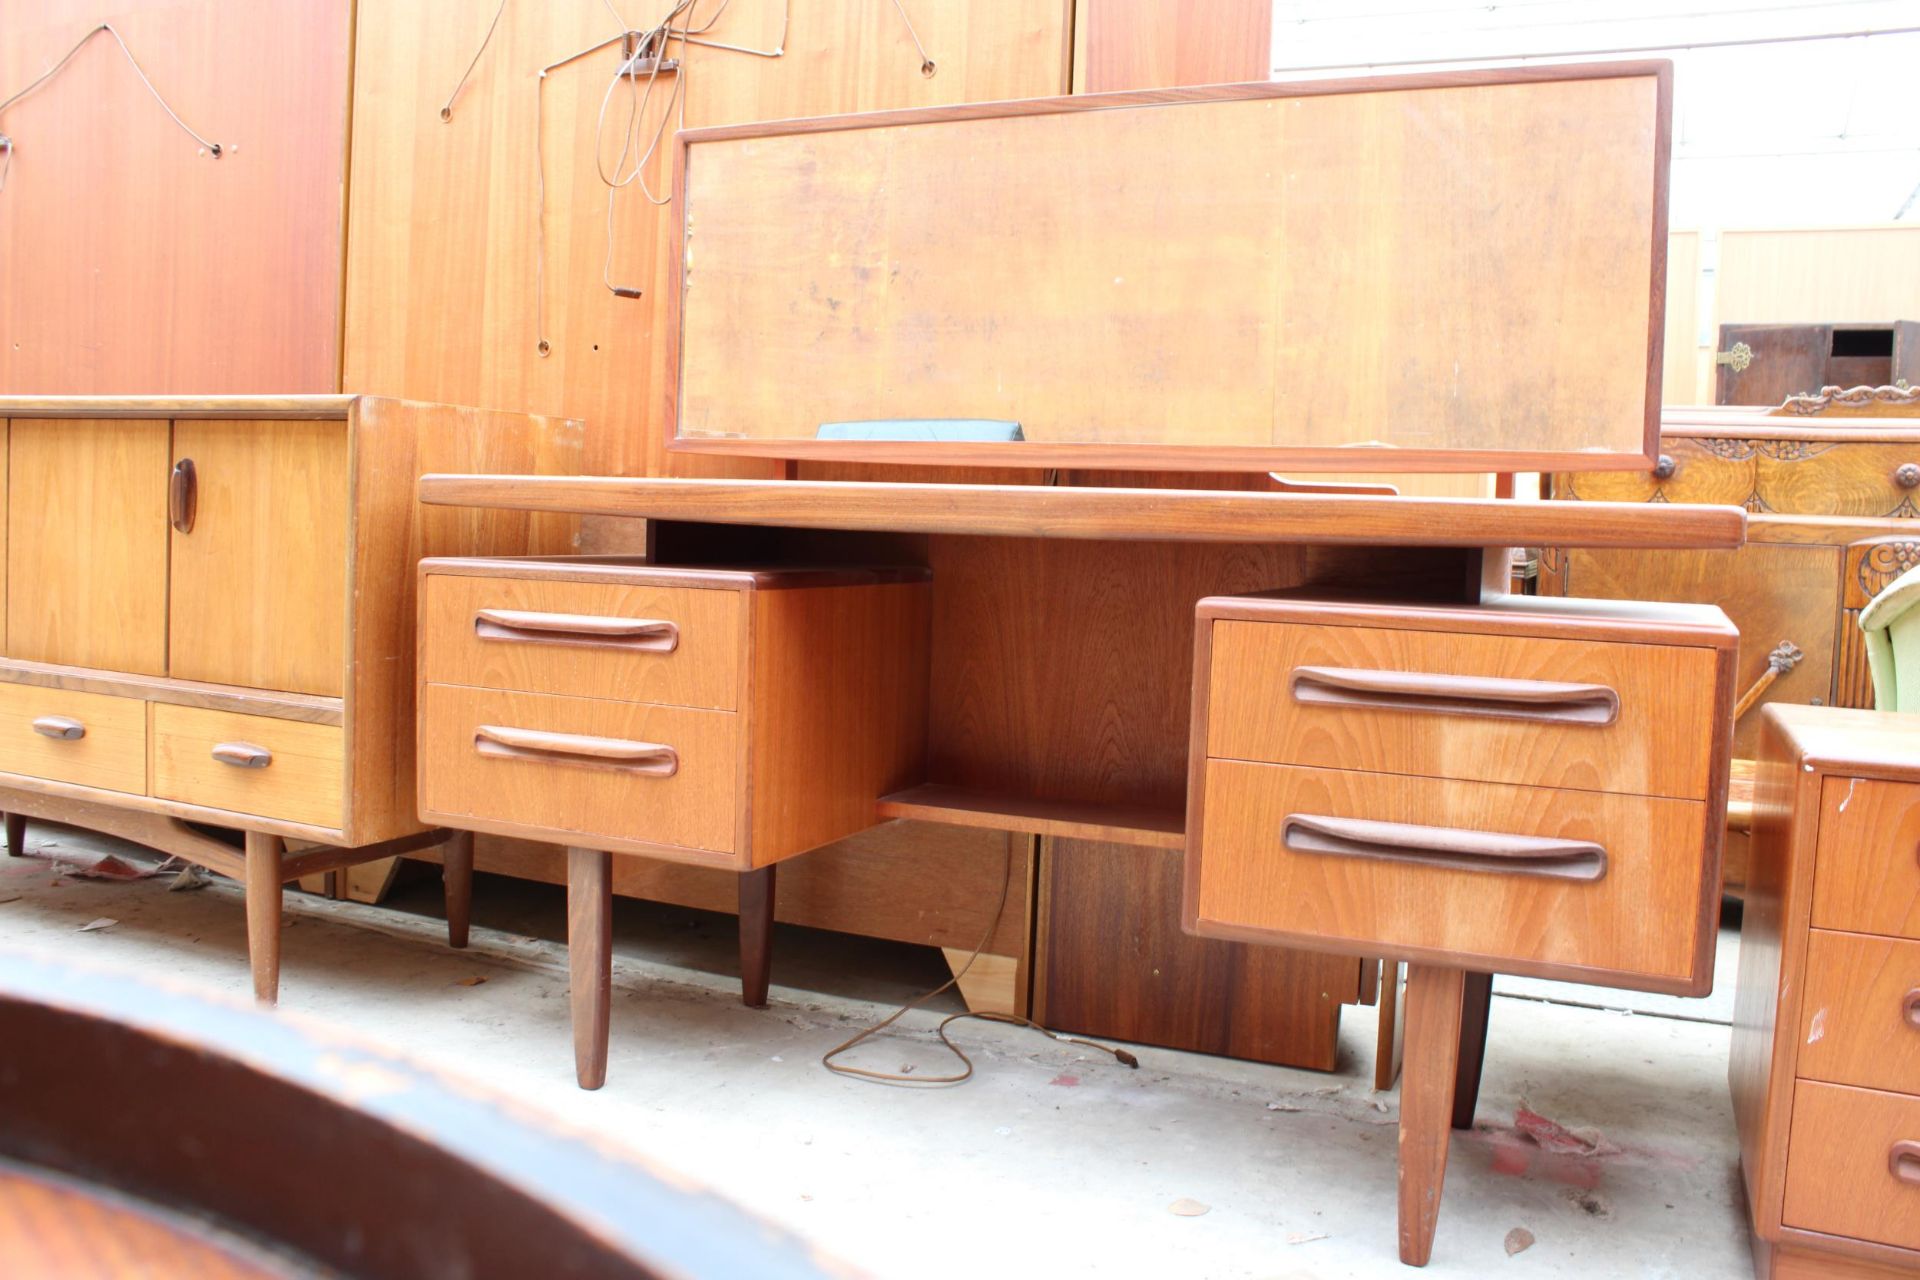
1903 1162
242 755
1549 701
652 635
1446 848
653 759
183 496
66 728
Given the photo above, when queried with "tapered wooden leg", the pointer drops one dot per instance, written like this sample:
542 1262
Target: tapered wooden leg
590 959
456 876
756 936
1477 1003
17 835
1434 997
263 913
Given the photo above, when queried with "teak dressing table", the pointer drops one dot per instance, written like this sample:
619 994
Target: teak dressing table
1160 298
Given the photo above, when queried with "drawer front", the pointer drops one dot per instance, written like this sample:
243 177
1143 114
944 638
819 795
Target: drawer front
1717 472
1582 881
676 646
284 769
1844 478
1853 1164
1866 869
1861 1012
572 769
1491 708
91 739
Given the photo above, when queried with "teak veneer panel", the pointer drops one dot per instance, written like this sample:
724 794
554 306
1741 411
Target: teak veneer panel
1867 871
86 544
258 587
111 753
1856 1028
304 782
1043 511
1194 278
1838 1180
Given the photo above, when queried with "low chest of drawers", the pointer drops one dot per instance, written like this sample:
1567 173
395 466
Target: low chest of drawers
1526 786
209 621
718 717
1825 1067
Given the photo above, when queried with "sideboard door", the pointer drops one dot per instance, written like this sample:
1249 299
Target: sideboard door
260 562
86 543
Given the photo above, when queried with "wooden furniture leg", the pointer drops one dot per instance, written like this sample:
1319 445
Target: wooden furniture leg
16 835
456 876
590 959
1478 1002
263 881
1434 999
756 935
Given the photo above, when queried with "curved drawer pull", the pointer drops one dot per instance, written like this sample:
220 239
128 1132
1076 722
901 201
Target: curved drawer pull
1549 701
1903 1162
1447 848
648 635
242 755
183 496
653 759
65 728
1911 1007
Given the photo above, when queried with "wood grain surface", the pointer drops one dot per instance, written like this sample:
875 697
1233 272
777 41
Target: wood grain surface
1838 1179
1867 871
135 262
302 783
111 751
1860 1020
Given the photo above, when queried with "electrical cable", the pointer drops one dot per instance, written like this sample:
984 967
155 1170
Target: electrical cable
1122 1056
7 143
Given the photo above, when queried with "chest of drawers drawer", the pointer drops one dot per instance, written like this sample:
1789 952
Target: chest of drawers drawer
1860 1014
723 717
283 769
1533 787
90 739
1853 1165
1866 874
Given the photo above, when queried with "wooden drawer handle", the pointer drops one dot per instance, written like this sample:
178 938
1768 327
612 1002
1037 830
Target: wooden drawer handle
1548 701
1911 1007
647 635
653 759
65 728
242 755
183 496
1448 848
1903 1162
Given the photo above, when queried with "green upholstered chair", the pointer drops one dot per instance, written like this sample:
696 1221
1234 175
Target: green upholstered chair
1891 622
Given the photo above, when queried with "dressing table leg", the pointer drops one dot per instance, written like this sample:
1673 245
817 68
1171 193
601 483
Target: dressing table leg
456 875
1477 1003
756 936
1434 999
263 888
590 959
16 835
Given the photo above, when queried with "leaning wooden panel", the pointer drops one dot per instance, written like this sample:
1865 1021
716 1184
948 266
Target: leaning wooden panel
1193 278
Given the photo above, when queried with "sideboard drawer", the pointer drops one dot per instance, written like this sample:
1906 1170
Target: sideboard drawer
1853 1164
647 642
580 770
284 769
91 739
1566 884
1861 1012
1866 869
1594 715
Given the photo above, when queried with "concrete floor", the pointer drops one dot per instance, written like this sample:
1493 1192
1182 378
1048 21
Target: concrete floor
1053 1161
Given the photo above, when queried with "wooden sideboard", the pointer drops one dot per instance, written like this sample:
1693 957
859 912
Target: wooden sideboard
1825 1065
209 620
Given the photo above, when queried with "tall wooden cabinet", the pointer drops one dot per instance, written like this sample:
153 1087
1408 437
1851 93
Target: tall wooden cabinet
209 619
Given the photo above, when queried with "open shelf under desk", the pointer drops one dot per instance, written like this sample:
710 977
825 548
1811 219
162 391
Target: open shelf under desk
965 807
1068 511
